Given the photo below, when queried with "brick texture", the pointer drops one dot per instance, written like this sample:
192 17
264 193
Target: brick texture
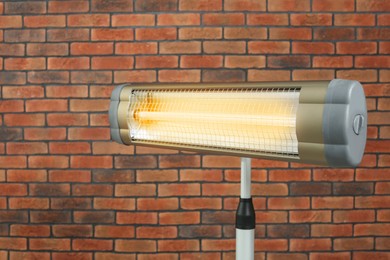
67 192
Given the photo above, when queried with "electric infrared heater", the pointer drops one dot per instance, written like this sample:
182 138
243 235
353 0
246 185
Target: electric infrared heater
321 123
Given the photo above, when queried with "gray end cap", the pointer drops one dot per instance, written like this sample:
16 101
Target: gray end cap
113 114
345 113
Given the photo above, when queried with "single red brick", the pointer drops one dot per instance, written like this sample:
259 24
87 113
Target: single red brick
156 34
97 91
245 5
113 62
26 148
24 119
23 92
135 190
179 245
135 76
80 48
268 75
7 106
356 47
47 49
372 62
156 61
179 75
93 20
372 229
178 19
178 190
200 33
69 148
180 47
332 202
372 6
68 7
360 75
136 48
114 203
111 148
92 244
224 47
267 19
49 244
334 256
11 21
268 47
289 175
156 232
373 34
310 19
245 61
200 5
334 34
194 61
67 35
29 255
331 230
245 33
112 34
12 78
384 19
28 203
288 203
289 5
312 48
114 231
313 74
119 20
332 62
135 246
152 204
220 245
91 162
174 218
12 189
67 119
67 91
119 6
72 230
201 203
290 33
45 134
90 77
44 21
313 244
372 202
26 175
288 61
69 176
48 77
24 64
13 243
48 162
223 19
68 63
354 19
155 5
329 5
136 218
46 105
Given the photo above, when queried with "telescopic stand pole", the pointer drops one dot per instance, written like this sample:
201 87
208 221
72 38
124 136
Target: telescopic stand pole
245 216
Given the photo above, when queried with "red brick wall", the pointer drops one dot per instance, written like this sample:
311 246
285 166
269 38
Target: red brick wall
67 192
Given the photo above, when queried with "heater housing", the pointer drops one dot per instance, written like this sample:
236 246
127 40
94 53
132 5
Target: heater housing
321 122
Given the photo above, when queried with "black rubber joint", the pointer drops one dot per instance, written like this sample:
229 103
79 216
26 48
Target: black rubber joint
245 215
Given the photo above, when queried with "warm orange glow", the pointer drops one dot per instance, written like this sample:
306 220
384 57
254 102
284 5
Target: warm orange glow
262 120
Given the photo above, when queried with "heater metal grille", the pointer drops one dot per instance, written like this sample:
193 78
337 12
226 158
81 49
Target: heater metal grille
259 120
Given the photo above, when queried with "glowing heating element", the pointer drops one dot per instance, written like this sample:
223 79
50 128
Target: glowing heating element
261 120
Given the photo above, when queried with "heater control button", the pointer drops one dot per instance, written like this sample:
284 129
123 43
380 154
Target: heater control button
358 123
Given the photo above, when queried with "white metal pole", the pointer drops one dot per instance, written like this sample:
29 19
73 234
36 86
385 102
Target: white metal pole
245 216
